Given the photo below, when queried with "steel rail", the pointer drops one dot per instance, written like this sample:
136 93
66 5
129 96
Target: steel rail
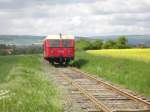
123 93
86 94
97 102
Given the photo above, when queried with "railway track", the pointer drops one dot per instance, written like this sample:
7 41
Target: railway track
99 96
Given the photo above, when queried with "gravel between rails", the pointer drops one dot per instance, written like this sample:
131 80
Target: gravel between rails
69 101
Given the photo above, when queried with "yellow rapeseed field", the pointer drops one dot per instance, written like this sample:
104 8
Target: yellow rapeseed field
136 54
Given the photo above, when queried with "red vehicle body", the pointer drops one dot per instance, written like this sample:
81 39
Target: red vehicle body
59 48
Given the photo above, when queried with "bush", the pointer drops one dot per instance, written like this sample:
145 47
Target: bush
122 42
82 44
85 44
97 44
110 44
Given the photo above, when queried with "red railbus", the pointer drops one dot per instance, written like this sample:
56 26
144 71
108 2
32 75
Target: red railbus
59 48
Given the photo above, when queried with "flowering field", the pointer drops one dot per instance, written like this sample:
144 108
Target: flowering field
135 54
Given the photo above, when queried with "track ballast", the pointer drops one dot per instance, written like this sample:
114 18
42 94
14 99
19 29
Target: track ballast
104 96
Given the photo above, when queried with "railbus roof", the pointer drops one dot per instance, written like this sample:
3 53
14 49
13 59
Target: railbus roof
59 37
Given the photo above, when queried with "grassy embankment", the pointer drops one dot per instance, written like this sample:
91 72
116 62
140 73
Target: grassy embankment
30 89
129 73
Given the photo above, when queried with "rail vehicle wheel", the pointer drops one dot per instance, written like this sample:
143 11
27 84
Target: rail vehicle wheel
61 63
66 63
52 62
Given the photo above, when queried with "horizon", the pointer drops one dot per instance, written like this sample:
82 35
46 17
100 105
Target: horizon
25 40
84 36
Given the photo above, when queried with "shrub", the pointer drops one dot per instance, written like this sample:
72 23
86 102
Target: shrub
110 44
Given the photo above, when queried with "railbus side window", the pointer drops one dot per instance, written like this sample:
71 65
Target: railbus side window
54 43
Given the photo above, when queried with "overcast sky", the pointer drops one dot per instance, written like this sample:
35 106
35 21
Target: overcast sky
78 17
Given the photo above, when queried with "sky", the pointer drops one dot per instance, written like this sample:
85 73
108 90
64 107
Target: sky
77 17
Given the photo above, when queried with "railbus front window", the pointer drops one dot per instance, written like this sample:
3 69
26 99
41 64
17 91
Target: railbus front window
54 43
66 43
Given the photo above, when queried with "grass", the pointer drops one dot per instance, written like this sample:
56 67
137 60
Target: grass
30 89
131 74
135 54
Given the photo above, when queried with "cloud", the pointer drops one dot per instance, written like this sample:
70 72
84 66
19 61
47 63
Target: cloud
79 17
119 6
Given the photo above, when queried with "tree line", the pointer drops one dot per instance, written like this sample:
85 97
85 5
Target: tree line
81 44
14 50
120 43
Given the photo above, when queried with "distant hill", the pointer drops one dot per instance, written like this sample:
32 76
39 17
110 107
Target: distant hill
20 40
29 40
137 39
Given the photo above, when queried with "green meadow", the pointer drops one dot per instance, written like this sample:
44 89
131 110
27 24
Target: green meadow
129 73
31 91
28 86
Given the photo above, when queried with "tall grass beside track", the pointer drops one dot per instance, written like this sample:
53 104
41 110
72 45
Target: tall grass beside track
129 73
30 89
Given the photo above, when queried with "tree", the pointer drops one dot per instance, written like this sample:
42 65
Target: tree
3 46
122 42
110 44
97 44
82 44
141 45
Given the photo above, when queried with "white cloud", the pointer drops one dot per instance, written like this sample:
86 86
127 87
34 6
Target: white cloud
76 17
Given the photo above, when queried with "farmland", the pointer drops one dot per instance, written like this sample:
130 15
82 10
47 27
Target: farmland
29 87
134 54
31 90
128 73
